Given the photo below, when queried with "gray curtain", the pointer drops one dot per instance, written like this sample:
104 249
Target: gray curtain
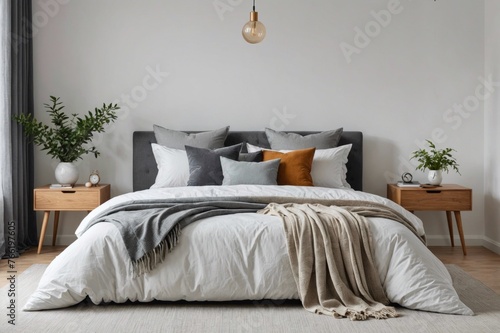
5 159
21 102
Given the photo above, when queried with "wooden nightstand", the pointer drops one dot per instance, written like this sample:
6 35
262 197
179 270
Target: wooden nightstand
78 198
447 197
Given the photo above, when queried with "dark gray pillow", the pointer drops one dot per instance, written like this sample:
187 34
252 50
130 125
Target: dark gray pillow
204 164
292 141
176 139
258 173
251 157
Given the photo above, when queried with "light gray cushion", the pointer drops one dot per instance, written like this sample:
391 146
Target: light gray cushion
204 164
292 141
259 173
176 139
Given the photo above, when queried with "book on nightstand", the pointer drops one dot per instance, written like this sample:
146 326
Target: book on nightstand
59 186
410 184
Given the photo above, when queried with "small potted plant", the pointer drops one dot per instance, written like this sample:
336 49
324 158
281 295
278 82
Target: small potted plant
70 136
436 161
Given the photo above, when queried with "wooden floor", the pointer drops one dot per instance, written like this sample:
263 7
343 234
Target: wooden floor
27 259
480 262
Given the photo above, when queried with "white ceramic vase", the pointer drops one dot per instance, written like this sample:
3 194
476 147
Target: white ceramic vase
435 177
66 173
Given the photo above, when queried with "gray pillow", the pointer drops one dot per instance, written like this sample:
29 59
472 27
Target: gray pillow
251 157
176 139
292 141
259 173
204 164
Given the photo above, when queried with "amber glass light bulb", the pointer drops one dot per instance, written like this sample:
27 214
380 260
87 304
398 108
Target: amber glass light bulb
254 31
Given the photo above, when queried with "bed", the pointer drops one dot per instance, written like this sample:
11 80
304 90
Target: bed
240 256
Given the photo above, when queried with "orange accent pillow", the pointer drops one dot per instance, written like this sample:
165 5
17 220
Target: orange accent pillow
295 166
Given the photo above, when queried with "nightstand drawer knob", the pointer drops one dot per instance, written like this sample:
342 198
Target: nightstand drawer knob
433 191
68 191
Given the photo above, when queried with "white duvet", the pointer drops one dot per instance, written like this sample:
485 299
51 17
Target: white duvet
235 257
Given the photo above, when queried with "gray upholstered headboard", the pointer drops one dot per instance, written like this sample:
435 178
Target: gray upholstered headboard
145 170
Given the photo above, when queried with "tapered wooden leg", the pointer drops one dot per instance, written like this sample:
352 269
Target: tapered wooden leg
450 227
458 217
56 224
46 215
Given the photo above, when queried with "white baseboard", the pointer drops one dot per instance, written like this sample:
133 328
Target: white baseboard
492 245
444 240
61 239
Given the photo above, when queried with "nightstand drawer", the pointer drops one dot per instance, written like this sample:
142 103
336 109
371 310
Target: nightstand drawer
66 200
77 198
435 199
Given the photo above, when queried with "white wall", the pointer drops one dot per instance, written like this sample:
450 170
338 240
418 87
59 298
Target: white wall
491 127
399 88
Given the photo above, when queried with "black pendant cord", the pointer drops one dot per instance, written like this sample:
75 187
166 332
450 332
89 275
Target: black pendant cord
254 5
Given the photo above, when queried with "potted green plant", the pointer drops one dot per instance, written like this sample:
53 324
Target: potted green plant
69 137
436 161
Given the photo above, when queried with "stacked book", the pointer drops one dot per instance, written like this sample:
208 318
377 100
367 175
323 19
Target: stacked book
408 184
60 186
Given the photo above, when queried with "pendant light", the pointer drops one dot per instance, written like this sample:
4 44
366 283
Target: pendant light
254 31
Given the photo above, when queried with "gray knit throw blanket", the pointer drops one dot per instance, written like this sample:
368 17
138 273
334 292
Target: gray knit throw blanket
151 228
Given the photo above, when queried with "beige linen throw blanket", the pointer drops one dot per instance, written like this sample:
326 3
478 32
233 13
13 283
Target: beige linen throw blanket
331 258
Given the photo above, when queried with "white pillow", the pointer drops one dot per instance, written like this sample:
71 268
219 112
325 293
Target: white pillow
328 168
173 166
